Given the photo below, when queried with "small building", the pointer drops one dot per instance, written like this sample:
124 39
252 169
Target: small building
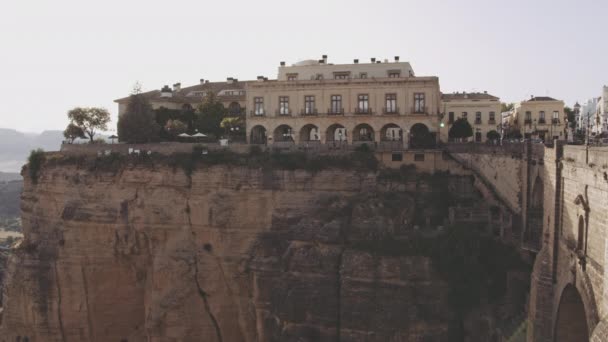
481 110
541 117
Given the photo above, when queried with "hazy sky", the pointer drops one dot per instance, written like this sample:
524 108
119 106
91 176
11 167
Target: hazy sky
55 55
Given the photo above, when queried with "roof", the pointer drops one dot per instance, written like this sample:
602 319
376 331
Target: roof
541 98
185 95
468 96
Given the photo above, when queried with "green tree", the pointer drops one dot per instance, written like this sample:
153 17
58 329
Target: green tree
506 107
234 126
210 115
89 119
461 129
570 116
72 132
138 124
493 135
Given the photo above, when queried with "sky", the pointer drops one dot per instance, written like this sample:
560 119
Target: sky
56 55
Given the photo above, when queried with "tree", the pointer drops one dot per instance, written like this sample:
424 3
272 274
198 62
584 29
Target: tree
570 115
461 129
175 127
210 115
138 124
90 120
73 132
493 135
234 126
506 107
513 133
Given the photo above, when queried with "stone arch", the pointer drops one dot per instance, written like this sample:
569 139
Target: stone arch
336 132
571 322
258 135
309 133
391 132
283 133
363 132
421 136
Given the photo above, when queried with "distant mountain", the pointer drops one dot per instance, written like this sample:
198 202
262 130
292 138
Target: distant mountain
15 146
9 177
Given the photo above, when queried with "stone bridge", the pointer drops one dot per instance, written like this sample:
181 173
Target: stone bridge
561 195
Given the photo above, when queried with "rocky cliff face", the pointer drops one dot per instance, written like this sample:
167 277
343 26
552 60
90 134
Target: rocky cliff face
224 254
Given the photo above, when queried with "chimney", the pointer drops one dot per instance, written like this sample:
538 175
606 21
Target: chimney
230 80
166 91
373 59
485 91
177 87
202 81
356 61
325 59
396 58
260 78
282 64
378 62
206 81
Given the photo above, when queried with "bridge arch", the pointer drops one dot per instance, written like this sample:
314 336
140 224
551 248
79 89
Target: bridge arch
571 322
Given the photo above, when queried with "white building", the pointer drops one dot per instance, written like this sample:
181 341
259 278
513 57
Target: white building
601 112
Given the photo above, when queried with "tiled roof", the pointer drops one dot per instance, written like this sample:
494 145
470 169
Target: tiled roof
184 95
468 96
541 98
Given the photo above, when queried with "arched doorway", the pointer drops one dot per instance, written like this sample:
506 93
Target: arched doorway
363 132
391 132
336 133
309 133
571 323
234 108
258 135
421 137
283 133
532 238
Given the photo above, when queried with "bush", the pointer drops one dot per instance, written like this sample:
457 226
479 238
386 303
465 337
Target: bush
35 162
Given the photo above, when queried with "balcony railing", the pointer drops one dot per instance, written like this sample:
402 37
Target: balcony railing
285 111
527 121
478 121
390 111
363 110
541 121
424 110
555 121
258 112
335 111
309 112
491 122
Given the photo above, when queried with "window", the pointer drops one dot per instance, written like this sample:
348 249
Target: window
492 117
319 77
336 104
363 103
541 117
341 75
419 157
391 103
397 157
419 103
363 75
465 115
477 136
309 104
394 74
556 117
283 105
292 77
258 105
451 117
478 117
528 117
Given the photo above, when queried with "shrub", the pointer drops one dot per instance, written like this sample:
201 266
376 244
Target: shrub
35 161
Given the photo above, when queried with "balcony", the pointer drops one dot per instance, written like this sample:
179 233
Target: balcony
542 121
258 112
335 111
478 121
363 111
555 121
424 110
309 112
390 111
527 121
491 122
283 112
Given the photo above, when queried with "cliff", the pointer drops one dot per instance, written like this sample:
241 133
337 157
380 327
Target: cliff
224 253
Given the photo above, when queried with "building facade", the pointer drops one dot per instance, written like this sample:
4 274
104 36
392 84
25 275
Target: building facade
314 102
601 112
540 116
481 110
231 93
